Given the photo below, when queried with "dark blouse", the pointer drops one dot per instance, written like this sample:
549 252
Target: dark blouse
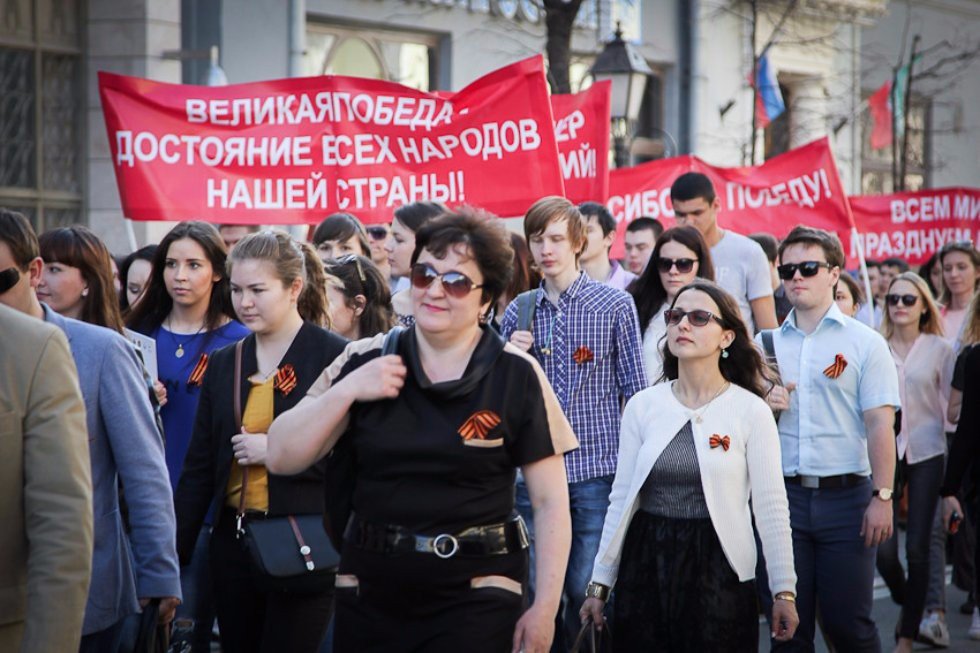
442 457
673 488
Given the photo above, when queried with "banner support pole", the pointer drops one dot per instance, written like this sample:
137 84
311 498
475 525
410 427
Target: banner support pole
131 235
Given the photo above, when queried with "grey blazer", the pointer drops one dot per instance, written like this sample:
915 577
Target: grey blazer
124 444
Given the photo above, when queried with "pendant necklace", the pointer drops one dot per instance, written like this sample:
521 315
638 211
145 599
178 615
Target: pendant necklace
180 345
699 413
546 349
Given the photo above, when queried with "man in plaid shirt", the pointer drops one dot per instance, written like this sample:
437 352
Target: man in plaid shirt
586 336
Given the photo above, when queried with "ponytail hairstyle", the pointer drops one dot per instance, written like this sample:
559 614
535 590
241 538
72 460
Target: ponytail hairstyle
78 247
355 276
291 261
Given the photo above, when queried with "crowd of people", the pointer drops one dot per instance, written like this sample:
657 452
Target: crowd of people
496 439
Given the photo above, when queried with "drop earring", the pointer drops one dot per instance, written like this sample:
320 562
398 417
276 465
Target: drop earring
84 292
724 353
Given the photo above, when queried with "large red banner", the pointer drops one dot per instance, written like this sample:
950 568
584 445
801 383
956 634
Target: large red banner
913 226
582 132
291 151
801 186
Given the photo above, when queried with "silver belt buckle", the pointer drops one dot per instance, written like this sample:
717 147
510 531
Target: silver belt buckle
440 544
811 482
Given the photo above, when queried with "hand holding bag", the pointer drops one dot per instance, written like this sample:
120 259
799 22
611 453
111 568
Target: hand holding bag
592 640
288 554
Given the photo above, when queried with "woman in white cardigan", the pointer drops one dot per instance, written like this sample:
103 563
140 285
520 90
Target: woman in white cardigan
678 531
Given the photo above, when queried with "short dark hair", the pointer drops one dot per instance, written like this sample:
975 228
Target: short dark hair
595 210
413 216
646 222
341 227
691 186
17 232
901 264
768 243
825 240
486 239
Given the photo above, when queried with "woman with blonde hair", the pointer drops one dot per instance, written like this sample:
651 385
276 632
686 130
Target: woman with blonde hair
913 327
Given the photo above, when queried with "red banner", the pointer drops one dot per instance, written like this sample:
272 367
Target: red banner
582 132
291 151
913 226
801 186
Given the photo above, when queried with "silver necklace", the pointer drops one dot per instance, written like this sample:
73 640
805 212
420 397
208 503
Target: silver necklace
699 413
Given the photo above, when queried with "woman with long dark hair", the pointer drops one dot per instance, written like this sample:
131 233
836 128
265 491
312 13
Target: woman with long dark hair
134 274
278 292
678 532
679 256
360 306
186 307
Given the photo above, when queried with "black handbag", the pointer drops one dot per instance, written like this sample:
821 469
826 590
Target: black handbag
592 640
152 637
288 554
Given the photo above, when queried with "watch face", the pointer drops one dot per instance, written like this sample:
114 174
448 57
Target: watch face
885 494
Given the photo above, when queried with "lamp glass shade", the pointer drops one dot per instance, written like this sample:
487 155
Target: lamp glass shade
626 95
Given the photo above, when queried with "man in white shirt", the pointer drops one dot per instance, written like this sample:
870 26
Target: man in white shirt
600 232
740 264
836 431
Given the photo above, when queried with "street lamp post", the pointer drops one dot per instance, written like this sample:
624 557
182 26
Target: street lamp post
621 64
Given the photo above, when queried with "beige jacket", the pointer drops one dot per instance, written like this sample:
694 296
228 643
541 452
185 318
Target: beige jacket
45 489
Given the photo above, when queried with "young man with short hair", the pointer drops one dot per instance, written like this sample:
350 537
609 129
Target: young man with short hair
770 245
586 336
600 232
836 432
232 233
639 241
740 264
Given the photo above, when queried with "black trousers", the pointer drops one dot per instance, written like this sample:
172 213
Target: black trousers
420 603
922 481
254 620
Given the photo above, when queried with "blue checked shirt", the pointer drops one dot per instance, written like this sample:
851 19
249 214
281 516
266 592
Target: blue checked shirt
602 320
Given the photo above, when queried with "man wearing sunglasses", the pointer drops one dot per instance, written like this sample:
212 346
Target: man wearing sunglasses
740 264
586 336
836 432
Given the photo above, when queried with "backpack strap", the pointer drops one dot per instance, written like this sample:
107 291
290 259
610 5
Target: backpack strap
770 348
527 304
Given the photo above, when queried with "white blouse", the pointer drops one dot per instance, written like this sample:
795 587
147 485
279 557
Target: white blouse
653 335
751 466
924 381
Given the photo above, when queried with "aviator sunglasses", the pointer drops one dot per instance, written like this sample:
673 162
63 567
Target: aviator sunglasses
807 269
377 233
698 318
683 265
904 300
456 284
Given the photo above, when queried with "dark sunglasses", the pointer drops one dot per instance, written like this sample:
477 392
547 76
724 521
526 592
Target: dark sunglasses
683 265
904 300
698 318
377 233
807 269
456 284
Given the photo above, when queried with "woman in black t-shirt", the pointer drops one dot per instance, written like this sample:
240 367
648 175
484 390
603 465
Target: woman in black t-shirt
434 558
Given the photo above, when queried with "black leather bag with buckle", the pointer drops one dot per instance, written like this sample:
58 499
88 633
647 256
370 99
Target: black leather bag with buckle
288 554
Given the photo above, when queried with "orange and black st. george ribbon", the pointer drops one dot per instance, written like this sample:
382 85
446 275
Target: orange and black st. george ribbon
583 355
285 379
720 441
197 375
478 425
836 368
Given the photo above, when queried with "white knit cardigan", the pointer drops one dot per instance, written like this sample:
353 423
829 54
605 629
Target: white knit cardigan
751 467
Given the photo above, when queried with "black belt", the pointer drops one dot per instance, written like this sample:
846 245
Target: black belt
827 482
494 539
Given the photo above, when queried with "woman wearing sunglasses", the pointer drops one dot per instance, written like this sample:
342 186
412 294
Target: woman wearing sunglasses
679 256
913 328
678 532
360 306
434 557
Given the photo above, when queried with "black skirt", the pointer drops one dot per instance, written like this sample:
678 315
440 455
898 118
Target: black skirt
677 592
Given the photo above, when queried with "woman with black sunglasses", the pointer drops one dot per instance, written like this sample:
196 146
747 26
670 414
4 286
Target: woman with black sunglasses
678 533
680 256
434 556
913 327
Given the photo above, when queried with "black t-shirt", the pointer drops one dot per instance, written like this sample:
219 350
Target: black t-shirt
959 371
442 457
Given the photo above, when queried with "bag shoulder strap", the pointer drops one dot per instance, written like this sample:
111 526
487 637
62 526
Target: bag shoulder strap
390 344
770 348
527 303
237 393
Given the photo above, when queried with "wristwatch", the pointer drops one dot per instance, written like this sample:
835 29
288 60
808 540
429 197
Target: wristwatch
597 591
885 494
